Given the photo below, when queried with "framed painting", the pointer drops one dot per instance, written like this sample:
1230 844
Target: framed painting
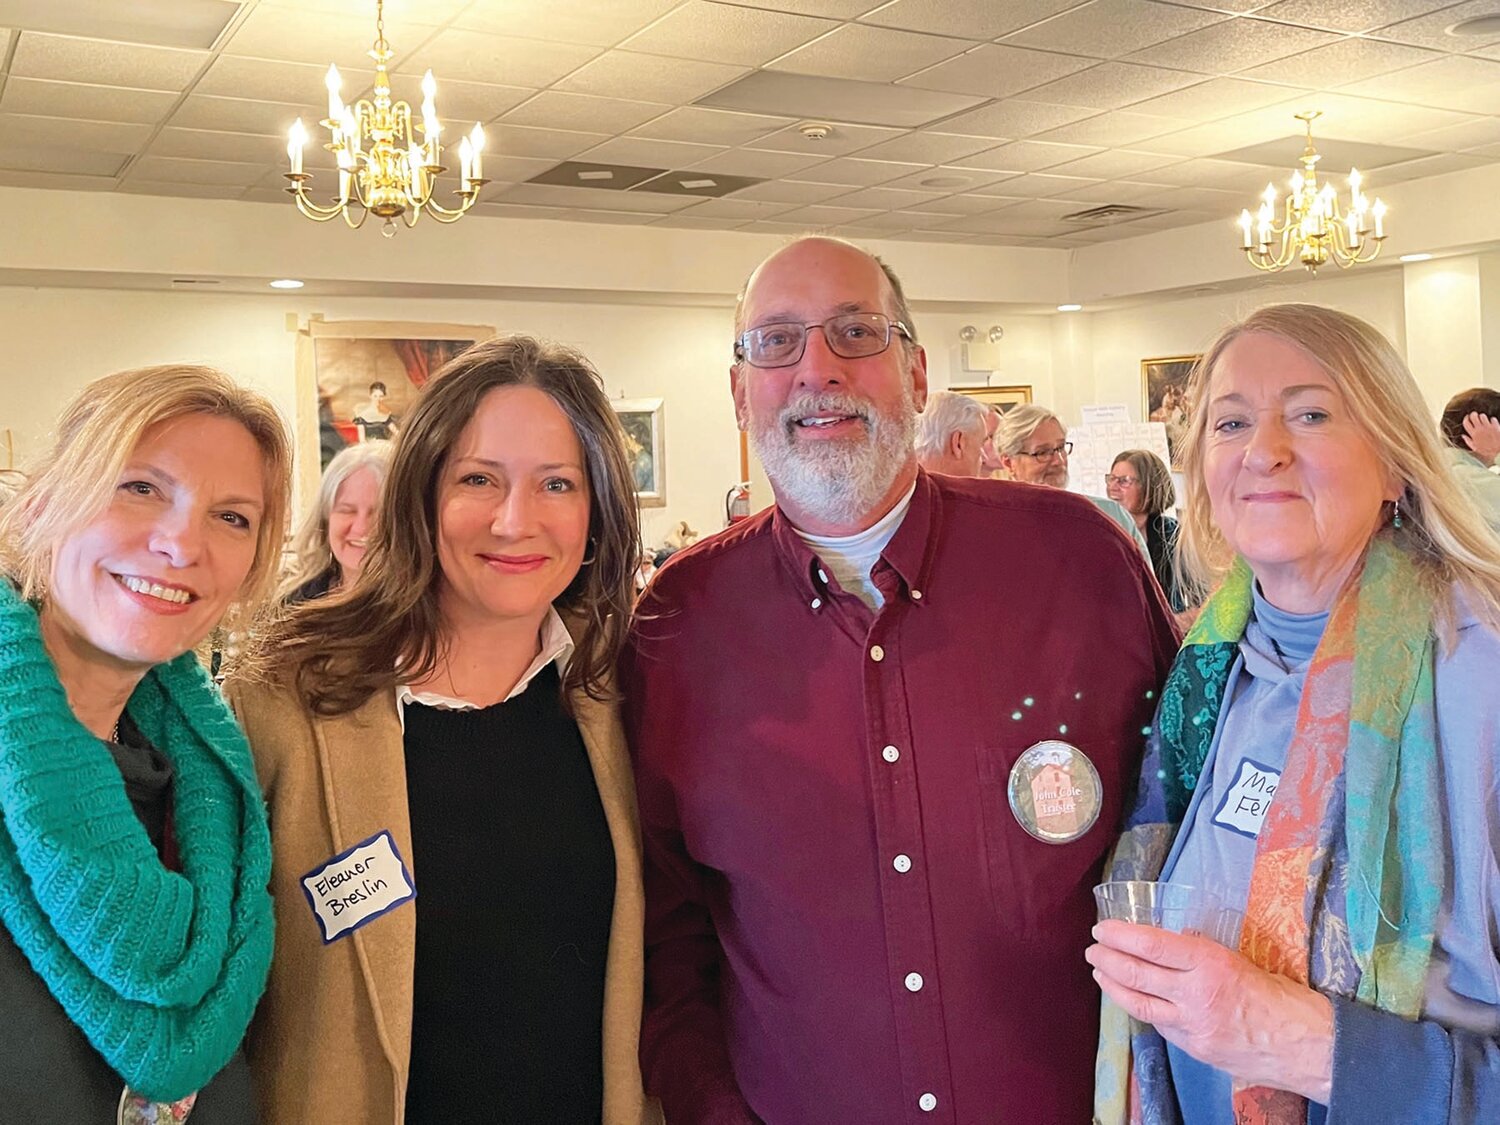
357 379
645 445
1164 385
1001 398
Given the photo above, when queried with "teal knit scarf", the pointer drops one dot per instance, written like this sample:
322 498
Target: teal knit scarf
161 971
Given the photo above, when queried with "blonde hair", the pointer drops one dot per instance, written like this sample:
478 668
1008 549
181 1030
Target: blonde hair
74 480
312 557
1442 530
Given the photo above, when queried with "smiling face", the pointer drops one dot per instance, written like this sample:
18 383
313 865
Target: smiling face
150 576
512 510
1132 496
351 519
834 434
1295 484
1051 470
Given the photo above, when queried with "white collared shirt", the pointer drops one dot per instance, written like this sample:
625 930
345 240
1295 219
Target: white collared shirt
557 647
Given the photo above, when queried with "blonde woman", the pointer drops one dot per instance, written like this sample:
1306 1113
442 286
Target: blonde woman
1325 758
329 547
135 924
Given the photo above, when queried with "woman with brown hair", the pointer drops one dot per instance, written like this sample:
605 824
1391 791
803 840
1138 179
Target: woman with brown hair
456 855
1141 484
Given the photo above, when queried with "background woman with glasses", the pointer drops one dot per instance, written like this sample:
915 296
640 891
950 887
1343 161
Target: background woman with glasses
1142 485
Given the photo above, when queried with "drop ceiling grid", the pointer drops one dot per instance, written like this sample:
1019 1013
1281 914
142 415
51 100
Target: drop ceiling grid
1078 96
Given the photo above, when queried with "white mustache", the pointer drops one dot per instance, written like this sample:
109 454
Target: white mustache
825 402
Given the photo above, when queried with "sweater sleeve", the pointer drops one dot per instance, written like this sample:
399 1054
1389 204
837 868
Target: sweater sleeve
1387 1068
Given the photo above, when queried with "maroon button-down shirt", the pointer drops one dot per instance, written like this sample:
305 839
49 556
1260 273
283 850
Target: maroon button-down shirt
845 922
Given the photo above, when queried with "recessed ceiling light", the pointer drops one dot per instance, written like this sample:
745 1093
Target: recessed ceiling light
286 283
1069 308
1415 257
944 181
1479 25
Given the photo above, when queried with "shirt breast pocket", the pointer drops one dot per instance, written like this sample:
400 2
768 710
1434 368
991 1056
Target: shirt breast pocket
1039 886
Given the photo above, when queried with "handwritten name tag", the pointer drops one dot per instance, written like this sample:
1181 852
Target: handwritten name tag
1244 806
357 886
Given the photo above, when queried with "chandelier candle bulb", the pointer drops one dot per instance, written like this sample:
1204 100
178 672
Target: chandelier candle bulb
1379 212
296 139
1245 229
465 161
335 103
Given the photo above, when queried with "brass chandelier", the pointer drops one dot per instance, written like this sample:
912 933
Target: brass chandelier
1314 228
383 169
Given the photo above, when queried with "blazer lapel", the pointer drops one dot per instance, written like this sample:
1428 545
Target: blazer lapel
364 792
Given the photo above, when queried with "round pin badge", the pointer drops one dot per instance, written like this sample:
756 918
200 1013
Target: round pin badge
1055 792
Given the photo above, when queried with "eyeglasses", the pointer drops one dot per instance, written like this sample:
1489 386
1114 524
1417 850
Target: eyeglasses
849 335
1050 452
1123 482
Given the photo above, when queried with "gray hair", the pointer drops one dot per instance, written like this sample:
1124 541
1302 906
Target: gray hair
311 557
1018 424
947 412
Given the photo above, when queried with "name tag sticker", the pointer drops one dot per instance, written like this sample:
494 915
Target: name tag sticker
1244 806
357 886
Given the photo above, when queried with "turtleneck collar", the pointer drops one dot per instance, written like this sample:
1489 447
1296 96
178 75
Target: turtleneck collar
1296 635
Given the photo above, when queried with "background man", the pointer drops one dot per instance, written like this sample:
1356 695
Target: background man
951 432
1471 427
846 921
1033 448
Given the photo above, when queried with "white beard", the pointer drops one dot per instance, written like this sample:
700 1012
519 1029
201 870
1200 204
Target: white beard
837 482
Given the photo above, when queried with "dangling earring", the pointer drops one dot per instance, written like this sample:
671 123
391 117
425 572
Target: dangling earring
1396 519
593 552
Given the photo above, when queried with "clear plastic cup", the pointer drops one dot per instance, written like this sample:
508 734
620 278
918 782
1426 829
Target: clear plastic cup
1170 906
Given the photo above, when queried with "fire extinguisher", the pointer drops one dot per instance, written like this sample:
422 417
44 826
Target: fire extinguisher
737 504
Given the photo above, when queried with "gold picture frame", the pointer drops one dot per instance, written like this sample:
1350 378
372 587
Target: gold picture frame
1001 398
1164 383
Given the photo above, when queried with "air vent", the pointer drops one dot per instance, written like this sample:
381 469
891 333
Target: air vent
1110 213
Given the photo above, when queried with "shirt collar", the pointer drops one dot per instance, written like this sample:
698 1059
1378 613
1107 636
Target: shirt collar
909 553
557 648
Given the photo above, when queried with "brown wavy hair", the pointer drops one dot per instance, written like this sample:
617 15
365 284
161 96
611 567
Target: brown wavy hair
387 628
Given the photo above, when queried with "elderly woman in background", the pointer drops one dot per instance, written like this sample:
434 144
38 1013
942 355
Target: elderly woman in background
1140 483
1325 757
448 723
134 854
329 547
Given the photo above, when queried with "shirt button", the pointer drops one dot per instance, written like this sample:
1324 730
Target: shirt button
877 653
822 575
902 863
927 1103
914 982
816 602
916 595
890 753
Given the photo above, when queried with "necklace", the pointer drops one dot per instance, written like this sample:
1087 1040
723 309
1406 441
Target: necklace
1280 656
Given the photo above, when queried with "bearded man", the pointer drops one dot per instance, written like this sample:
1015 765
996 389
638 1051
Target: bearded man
869 855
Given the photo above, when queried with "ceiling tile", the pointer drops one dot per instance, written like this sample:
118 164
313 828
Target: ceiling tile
556 144
171 169
1113 85
555 109
1115 191
64 132
1115 164
1013 118
180 189
1231 175
995 71
686 221
36 158
880 225
1218 97
753 162
596 198
948 179
104 63
724 33
462 102
96 103
514 169
1348 60
408 11
1027 156
1108 28
927 147
565 21
972 19
962 204
888 199
205 144
240 115
859 173
518 211
159 23
644 153
231 76
475 56
872 54
1348 15
1218 200
1235 45
791 192
711 126
825 215
300 35
1432 30
841 140
1456 138
738 209
1040 185
1344 116
804 97
833 9
1453 82
1113 130
1432 166
623 74
774 226
610 218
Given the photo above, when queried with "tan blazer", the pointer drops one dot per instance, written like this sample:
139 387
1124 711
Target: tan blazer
331 1040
